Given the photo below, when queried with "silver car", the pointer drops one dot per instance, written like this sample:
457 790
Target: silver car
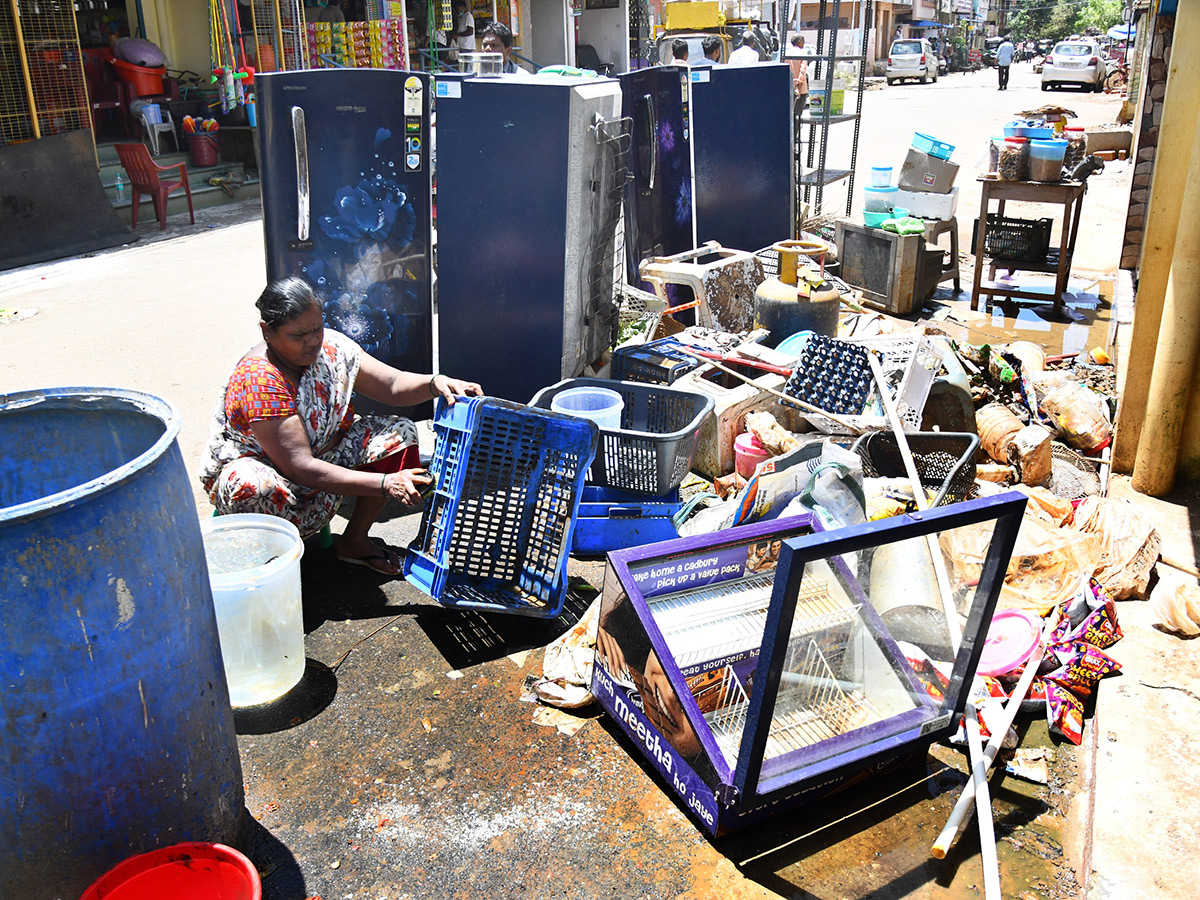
912 58
1074 62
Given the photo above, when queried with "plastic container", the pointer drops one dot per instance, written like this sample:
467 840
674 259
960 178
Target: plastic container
203 150
153 113
1011 639
142 81
931 145
119 734
816 98
748 452
1078 412
899 212
655 362
1019 128
254 570
1076 139
190 871
1014 159
611 519
945 460
881 176
498 526
879 199
1046 159
660 429
794 345
875 219
600 405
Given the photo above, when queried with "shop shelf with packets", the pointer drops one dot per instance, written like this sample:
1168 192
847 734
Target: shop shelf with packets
761 667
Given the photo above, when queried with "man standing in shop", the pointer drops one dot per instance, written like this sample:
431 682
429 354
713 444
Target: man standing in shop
799 66
497 38
747 54
1004 55
464 28
711 45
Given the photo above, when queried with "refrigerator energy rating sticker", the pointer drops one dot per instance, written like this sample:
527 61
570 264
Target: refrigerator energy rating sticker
414 96
702 75
448 90
412 161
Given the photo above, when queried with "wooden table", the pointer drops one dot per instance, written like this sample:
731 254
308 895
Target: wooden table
1068 194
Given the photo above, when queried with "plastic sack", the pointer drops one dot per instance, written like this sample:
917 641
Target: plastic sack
139 52
1048 564
566 680
1079 414
1175 602
1130 545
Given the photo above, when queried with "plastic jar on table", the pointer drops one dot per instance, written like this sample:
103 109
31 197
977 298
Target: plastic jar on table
1014 159
1076 146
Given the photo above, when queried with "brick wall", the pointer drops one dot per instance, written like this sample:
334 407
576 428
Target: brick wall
1154 77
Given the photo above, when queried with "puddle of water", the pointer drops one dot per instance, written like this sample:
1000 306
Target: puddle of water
1084 320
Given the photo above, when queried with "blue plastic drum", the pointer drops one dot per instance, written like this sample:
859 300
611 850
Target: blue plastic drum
118 734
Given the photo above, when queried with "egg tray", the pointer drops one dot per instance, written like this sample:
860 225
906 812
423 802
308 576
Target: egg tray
835 375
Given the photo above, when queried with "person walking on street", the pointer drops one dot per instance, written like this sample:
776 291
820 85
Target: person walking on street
799 66
1004 57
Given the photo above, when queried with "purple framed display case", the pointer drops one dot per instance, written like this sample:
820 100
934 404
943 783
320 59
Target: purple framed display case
761 667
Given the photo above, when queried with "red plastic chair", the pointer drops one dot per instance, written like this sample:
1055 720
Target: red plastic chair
144 178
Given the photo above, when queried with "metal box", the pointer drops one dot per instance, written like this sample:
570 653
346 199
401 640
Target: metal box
764 666
894 271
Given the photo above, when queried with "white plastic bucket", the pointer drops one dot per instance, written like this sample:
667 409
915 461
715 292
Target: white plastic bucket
254 570
600 405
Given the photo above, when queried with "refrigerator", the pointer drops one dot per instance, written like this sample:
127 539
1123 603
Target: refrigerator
659 217
745 183
531 176
761 667
346 195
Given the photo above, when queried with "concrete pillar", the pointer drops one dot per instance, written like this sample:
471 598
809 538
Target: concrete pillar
1178 345
1181 107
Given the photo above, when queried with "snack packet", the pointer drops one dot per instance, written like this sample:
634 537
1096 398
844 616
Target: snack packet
1064 712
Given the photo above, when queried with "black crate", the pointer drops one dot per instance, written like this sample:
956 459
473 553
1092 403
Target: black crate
1023 240
655 362
945 461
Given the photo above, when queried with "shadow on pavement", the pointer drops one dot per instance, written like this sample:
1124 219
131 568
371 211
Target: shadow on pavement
314 692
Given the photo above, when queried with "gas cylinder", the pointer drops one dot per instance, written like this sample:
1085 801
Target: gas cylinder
799 299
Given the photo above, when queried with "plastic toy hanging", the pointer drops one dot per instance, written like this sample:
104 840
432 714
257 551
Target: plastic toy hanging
229 63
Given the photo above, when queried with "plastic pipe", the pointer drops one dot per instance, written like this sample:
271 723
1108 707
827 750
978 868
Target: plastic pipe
1175 356
983 807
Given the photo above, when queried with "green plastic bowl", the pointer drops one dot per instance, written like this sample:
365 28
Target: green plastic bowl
875 219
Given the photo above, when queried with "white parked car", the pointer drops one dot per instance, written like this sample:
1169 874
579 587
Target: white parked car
1074 62
912 58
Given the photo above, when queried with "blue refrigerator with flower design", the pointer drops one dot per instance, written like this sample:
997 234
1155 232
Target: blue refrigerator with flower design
345 156
659 217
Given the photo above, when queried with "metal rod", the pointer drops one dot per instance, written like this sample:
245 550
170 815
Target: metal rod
281 54
983 802
33 113
807 407
966 799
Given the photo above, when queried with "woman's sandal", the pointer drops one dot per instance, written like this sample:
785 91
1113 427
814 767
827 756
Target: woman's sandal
373 562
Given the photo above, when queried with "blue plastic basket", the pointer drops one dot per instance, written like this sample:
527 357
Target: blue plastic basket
610 519
497 528
931 145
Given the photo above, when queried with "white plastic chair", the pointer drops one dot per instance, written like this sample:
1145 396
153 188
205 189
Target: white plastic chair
165 125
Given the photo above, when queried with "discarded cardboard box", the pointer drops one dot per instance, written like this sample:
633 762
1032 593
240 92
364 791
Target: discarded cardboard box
922 172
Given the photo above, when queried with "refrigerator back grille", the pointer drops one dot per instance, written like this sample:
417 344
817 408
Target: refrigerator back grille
605 252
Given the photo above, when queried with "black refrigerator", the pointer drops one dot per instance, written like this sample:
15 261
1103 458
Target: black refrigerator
743 134
660 218
531 176
346 194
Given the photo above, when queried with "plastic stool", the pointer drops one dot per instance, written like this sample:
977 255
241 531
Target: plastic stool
935 228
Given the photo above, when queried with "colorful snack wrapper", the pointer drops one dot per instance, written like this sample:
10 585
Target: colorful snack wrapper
1064 712
1082 668
1100 628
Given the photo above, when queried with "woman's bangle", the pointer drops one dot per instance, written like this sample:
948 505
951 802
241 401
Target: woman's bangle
432 386
383 485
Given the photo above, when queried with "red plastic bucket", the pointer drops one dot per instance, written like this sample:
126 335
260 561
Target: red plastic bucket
142 81
188 871
203 148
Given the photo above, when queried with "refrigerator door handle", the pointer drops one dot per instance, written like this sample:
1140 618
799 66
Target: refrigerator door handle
650 117
300 137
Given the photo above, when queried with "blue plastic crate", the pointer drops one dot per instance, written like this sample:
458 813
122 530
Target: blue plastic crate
655 362
931 145
611 519
498 525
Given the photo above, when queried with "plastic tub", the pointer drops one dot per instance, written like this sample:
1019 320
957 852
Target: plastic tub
190 871
794 345
875 219
1025 130
899 212
1046 159
254 570
748 452
600 405
143 82
879 199
881 176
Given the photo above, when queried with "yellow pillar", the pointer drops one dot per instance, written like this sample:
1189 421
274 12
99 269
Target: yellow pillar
1181 107
1178 343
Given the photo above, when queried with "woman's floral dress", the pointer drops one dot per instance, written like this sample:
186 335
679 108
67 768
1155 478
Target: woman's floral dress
237 473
